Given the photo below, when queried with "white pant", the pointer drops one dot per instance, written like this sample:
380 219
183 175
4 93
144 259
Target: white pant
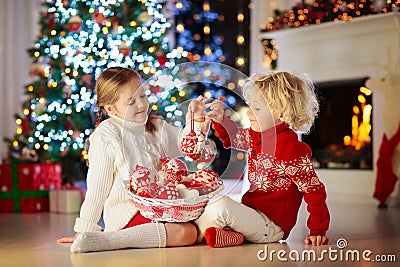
222 212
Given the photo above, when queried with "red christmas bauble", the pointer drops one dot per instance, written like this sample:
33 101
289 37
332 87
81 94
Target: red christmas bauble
140 178
74 24
205 181
24 126
68 125
168 192
175 169
188 145
174 165
99 18
149 191
162 60
125 49
51 18
155 89
204 177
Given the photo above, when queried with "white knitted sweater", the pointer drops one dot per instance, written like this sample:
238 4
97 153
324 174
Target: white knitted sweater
116 146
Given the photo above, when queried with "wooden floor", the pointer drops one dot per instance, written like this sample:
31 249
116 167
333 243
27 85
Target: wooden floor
30 240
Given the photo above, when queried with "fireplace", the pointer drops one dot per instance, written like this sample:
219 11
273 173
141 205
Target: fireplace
334 53
341 136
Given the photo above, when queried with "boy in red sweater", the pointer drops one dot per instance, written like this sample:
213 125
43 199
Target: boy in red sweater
280 170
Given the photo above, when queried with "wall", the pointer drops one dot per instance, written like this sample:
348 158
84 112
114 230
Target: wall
19 25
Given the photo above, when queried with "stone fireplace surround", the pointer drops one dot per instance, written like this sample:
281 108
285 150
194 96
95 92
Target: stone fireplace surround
362 47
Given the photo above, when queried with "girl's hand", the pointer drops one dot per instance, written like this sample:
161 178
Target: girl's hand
216 112
68 239
198 106
316 240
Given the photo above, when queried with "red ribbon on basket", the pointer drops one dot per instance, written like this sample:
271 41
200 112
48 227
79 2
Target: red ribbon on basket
158 213
173 211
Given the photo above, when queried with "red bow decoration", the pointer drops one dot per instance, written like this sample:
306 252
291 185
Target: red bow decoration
159 211
174 211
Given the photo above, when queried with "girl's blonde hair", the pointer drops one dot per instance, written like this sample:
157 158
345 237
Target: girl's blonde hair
108 85
289 97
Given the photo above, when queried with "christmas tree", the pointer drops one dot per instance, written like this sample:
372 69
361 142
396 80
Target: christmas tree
78 39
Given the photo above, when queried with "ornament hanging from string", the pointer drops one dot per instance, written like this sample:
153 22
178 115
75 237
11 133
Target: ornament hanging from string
195 144
189 142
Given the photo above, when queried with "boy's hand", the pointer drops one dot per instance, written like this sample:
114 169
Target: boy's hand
316 240
216 112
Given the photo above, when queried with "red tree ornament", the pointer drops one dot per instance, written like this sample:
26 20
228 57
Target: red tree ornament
25 126
125 49
149 191
168 192
204 177
74 24
175 169
155 89
189 142
99 18
140 177
51 18
162 59
205 181
174 165
68 125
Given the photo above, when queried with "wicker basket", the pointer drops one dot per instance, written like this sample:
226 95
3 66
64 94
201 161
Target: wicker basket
176 210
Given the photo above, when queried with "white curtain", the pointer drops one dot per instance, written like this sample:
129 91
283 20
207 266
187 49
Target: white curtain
19 24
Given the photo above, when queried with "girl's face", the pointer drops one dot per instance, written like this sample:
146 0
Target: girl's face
259 114
132 103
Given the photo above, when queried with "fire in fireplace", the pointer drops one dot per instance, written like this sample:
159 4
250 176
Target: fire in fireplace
342 134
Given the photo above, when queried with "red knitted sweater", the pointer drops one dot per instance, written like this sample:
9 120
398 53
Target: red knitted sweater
280 173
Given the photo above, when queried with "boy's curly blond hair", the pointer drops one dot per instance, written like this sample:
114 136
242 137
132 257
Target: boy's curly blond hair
291 98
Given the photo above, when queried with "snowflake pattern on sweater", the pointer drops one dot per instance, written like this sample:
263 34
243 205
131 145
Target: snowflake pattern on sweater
268 173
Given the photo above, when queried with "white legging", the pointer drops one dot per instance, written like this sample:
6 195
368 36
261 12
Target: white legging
222 212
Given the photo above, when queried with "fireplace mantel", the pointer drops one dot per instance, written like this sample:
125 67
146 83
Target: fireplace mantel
333 51
339 50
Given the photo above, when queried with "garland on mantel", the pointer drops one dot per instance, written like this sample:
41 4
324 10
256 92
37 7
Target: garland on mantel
309 12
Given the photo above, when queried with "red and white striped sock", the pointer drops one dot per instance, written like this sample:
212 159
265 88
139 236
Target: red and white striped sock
218 238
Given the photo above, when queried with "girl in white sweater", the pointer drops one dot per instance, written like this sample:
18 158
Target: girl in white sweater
128 137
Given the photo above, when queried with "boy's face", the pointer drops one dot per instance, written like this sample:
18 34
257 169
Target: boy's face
132 103
259 114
